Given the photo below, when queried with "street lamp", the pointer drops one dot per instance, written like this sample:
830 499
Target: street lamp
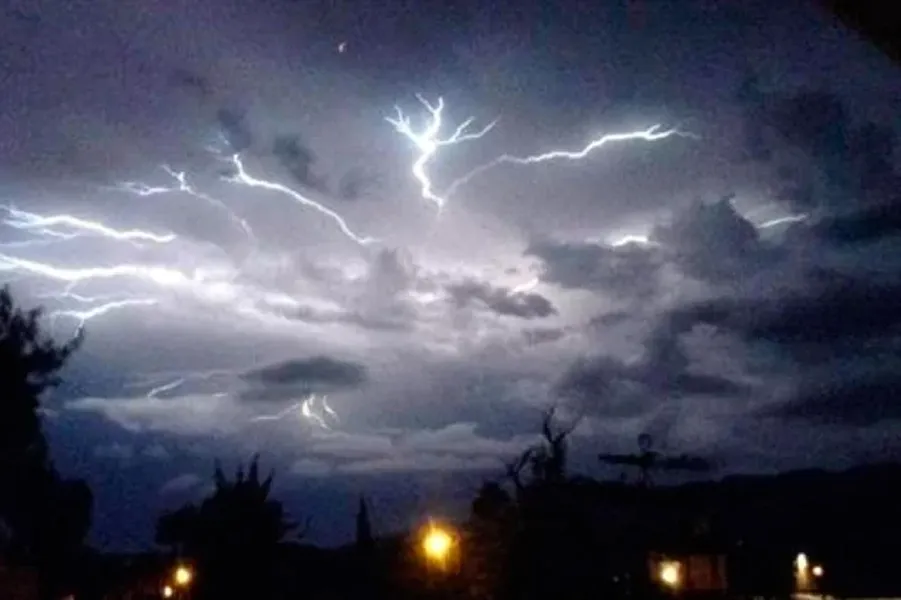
671 574
168 592
183 576
437 545
803 582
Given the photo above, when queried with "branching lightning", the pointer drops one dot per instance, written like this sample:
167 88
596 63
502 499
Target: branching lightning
183 186
242 177
83 316
651 134
313 408
49 226
429 143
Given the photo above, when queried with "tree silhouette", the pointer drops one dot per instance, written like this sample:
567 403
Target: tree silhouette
534 544
364 539
45 517
546 460
233 537
30 366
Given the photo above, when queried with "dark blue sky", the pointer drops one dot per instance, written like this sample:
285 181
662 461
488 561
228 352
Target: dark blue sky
698 287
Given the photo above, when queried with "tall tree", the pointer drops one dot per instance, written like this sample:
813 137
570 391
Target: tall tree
45 517
233 537
30 363
364 539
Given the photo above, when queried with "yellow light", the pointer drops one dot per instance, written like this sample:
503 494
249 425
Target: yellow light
671 573
168 592
817 571
801 562
437 544
183 576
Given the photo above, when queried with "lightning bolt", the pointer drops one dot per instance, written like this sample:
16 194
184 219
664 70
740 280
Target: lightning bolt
82 316
242 177
651 134
210 286
166 387
782 220
297 406
525 287
47 225
183 186
73 277
307 408
428 142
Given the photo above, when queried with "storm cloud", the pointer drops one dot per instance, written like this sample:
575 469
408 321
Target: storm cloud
732 290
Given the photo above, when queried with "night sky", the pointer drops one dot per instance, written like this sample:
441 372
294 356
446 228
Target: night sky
671 286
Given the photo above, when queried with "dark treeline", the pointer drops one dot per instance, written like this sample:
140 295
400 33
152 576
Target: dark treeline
540 532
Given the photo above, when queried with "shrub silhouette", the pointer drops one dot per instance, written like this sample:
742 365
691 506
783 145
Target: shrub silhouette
233 537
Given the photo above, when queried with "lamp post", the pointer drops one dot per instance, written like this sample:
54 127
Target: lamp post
670 574
179 584
437 546
440 549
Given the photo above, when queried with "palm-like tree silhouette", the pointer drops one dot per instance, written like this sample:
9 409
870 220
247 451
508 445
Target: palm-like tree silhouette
233 536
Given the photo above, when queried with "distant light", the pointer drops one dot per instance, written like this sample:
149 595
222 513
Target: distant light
801 562
437 544
342 47
671 573
183 576
168 592
817 571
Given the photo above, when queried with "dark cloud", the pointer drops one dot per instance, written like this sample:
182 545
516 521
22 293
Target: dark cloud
315 371
501 300
825 310
543 335
859 400
358 183
610 319
870 223
855 161
614 387
628 271
234 126
197 84
713 242
298 159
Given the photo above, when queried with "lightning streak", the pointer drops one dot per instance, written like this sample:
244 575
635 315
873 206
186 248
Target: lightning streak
45 225
210 287
310 408
241 176
85 315
429 143
281 414
651 134
166 387
183 186
782 220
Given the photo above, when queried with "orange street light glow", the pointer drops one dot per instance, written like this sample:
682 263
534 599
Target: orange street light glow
183 576
670 573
